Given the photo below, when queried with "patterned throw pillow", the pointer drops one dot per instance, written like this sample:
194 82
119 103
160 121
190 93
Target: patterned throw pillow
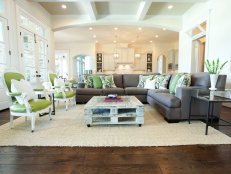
184 81
142 80
161 81
108 81
88 80
172 86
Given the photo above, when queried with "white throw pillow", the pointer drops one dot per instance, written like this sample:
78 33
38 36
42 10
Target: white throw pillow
59 82
22 86
150 83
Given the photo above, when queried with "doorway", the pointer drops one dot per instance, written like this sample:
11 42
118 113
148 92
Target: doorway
198 48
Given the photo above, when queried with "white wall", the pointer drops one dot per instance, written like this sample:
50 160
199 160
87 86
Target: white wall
218 34
76 49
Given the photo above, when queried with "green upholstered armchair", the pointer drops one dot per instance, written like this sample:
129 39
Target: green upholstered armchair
62 92
25 108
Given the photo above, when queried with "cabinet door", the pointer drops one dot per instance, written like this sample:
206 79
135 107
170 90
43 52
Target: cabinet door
139 63
109 62
130 55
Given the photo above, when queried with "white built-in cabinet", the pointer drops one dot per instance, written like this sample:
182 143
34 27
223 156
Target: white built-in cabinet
4 60
140 63
109 62
126 55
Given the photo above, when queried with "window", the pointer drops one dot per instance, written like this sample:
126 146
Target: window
33 48
61 63
3 44
80 65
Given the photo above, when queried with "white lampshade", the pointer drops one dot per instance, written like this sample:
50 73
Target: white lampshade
90 63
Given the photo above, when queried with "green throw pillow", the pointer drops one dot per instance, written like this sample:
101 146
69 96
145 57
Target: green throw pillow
142 80
172 86
184 81
161 81
108 81
97 83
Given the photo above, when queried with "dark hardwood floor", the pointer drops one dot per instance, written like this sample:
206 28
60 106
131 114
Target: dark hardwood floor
198 159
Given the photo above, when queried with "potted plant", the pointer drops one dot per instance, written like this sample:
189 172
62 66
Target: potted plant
214 68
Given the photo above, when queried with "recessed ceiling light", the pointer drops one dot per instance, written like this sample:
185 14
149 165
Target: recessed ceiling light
140 28
156 36
96 41
94 36
115 28
90 28
133 41
164 29
63 6
150 41
170 7
114 41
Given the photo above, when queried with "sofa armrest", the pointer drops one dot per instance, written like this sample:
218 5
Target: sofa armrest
184 94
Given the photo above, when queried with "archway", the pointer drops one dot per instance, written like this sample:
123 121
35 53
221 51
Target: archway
161 64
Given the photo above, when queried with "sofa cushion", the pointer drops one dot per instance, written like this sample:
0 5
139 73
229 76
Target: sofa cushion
136 91
118 91
130 80
88 91
173 83
200 79
162 81
118 79
107 81
97 82
88 81
152 91
143 79
167 99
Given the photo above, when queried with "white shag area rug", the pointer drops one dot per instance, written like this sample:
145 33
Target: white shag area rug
69 129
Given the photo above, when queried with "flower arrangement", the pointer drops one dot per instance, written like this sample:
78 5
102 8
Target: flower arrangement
214 67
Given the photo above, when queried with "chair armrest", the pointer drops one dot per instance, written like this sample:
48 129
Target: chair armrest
14 94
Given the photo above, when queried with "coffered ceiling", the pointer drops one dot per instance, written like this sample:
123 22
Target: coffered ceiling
104 15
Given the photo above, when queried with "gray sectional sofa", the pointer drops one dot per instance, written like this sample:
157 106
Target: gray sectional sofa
173 107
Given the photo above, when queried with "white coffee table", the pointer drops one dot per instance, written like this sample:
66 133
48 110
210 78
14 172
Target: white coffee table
128 111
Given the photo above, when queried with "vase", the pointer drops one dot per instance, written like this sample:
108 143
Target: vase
213 81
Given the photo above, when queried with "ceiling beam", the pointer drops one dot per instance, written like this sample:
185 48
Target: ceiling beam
91 9
143 9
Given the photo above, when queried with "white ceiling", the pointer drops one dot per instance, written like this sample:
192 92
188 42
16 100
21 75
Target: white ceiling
104 15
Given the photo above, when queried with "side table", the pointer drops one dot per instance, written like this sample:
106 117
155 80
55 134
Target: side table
210 98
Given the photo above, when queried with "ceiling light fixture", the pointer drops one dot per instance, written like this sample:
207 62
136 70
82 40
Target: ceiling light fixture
94 36
164 29
140 28
115 28
170 7
150 41
133 41
114 41
96 41
90 28
156 36
63 6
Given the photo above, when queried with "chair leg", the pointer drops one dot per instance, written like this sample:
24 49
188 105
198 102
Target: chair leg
50 113
67 105
32 122
11 121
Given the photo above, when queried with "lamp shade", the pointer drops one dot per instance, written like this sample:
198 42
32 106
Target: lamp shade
90 63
